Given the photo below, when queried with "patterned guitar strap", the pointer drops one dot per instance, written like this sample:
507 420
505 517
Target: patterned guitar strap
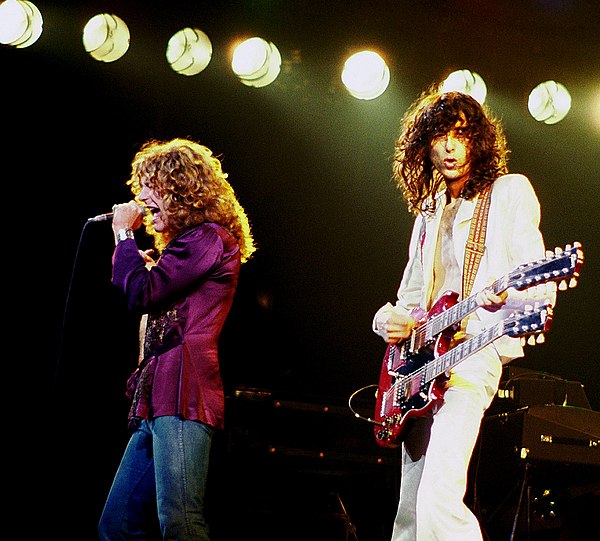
476 240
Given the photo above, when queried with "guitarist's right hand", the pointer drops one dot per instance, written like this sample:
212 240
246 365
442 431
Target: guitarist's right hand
394 326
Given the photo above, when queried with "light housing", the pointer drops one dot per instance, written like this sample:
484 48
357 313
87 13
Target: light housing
106 37
189 51
549 102
365 75
467 82
256 62
21 23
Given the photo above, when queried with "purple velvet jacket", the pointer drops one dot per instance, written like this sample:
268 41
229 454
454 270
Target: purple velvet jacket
187 296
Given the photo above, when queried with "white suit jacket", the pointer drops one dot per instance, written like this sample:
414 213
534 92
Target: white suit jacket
513 237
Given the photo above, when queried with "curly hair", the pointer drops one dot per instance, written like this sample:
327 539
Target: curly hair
433 114
194 189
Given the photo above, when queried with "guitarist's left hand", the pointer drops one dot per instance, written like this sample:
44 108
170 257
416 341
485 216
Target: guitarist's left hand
490 301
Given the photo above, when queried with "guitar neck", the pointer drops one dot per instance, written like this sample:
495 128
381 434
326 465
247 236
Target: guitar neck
555 268
453 315
451 358
462 309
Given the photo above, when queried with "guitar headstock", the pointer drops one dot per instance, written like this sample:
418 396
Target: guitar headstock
562 266
575 253
532 323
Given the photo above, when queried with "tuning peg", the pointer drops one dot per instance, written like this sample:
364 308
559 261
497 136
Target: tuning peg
559 250
540 339
523 342
549 253
562 285
531 340
573 282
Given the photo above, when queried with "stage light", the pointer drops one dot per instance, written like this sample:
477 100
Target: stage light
106 37
549 102
365 75
189 51
256 62
20 23
467 82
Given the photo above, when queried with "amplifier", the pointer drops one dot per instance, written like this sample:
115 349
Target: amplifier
536 473
522 387
566 434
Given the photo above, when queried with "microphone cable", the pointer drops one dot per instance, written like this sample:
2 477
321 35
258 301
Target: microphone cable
61 337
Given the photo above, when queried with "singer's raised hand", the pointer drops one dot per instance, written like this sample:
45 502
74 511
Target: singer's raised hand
127 215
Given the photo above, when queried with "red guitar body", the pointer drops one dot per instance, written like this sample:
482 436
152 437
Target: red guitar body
393 418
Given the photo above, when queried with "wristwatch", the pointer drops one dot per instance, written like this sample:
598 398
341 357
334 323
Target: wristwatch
124 233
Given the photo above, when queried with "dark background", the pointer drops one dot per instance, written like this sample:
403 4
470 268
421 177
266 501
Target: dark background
311 166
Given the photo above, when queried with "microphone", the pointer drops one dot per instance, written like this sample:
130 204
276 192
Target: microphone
101 217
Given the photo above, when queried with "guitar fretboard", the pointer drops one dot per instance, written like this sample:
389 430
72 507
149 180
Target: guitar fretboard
551 269
427 331
435 368
407 386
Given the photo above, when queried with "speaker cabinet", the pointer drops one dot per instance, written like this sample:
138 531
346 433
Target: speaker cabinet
534 470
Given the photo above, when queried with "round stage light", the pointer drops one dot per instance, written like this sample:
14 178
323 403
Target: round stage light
365 75
549 102
256 62
189 51
467 82
106 37
20 23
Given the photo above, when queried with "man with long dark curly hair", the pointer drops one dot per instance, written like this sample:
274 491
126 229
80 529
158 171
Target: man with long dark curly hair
202 236
450 153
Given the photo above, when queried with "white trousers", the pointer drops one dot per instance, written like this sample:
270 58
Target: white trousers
436 453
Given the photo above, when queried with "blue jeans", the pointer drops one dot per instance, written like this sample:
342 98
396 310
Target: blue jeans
162 473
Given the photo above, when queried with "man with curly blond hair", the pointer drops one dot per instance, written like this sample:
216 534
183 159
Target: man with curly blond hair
201 237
